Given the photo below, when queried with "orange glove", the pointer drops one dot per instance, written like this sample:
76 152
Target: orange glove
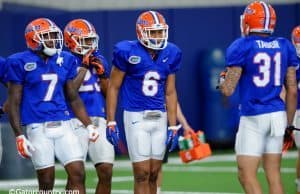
97 63
25 148
86 59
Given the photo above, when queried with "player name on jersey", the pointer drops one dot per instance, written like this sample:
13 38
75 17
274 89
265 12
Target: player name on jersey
274 44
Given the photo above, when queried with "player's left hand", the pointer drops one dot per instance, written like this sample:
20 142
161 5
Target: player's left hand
113 133
288 139
172 137
97 65
93 133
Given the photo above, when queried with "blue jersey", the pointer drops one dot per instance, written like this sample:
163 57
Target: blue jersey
264 62
43 83
90 91
144 84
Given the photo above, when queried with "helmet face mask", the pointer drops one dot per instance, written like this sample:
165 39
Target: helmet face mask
153 41
152 30
52 42
43 35
258 17
80 36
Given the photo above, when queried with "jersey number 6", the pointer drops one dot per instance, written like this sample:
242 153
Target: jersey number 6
150 84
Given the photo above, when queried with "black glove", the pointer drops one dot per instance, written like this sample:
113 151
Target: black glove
288 139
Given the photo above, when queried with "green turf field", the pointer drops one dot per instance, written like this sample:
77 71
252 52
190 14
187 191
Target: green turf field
216 174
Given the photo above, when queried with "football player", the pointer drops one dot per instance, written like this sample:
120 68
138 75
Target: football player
261 64
40 83
91 81
145 70
296 43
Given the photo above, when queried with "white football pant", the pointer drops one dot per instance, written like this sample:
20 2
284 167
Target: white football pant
146 134
261 134
50 139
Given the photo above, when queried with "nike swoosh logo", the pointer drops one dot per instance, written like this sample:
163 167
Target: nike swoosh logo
134 122
165 60
32 128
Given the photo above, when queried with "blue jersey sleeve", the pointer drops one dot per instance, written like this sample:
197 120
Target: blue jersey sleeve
236 53
119 58
175 66
15 72
73 63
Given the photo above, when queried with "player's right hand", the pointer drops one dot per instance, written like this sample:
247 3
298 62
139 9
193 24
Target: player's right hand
221 78
93 133
25 148
86 59
113 133
288 139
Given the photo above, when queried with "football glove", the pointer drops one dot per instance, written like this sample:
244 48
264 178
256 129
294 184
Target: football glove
113 133
25 148
97 64
86 59
172 137
221 78
93 133
288 139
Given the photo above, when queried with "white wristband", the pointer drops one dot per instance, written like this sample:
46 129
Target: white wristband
111 123
174 127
